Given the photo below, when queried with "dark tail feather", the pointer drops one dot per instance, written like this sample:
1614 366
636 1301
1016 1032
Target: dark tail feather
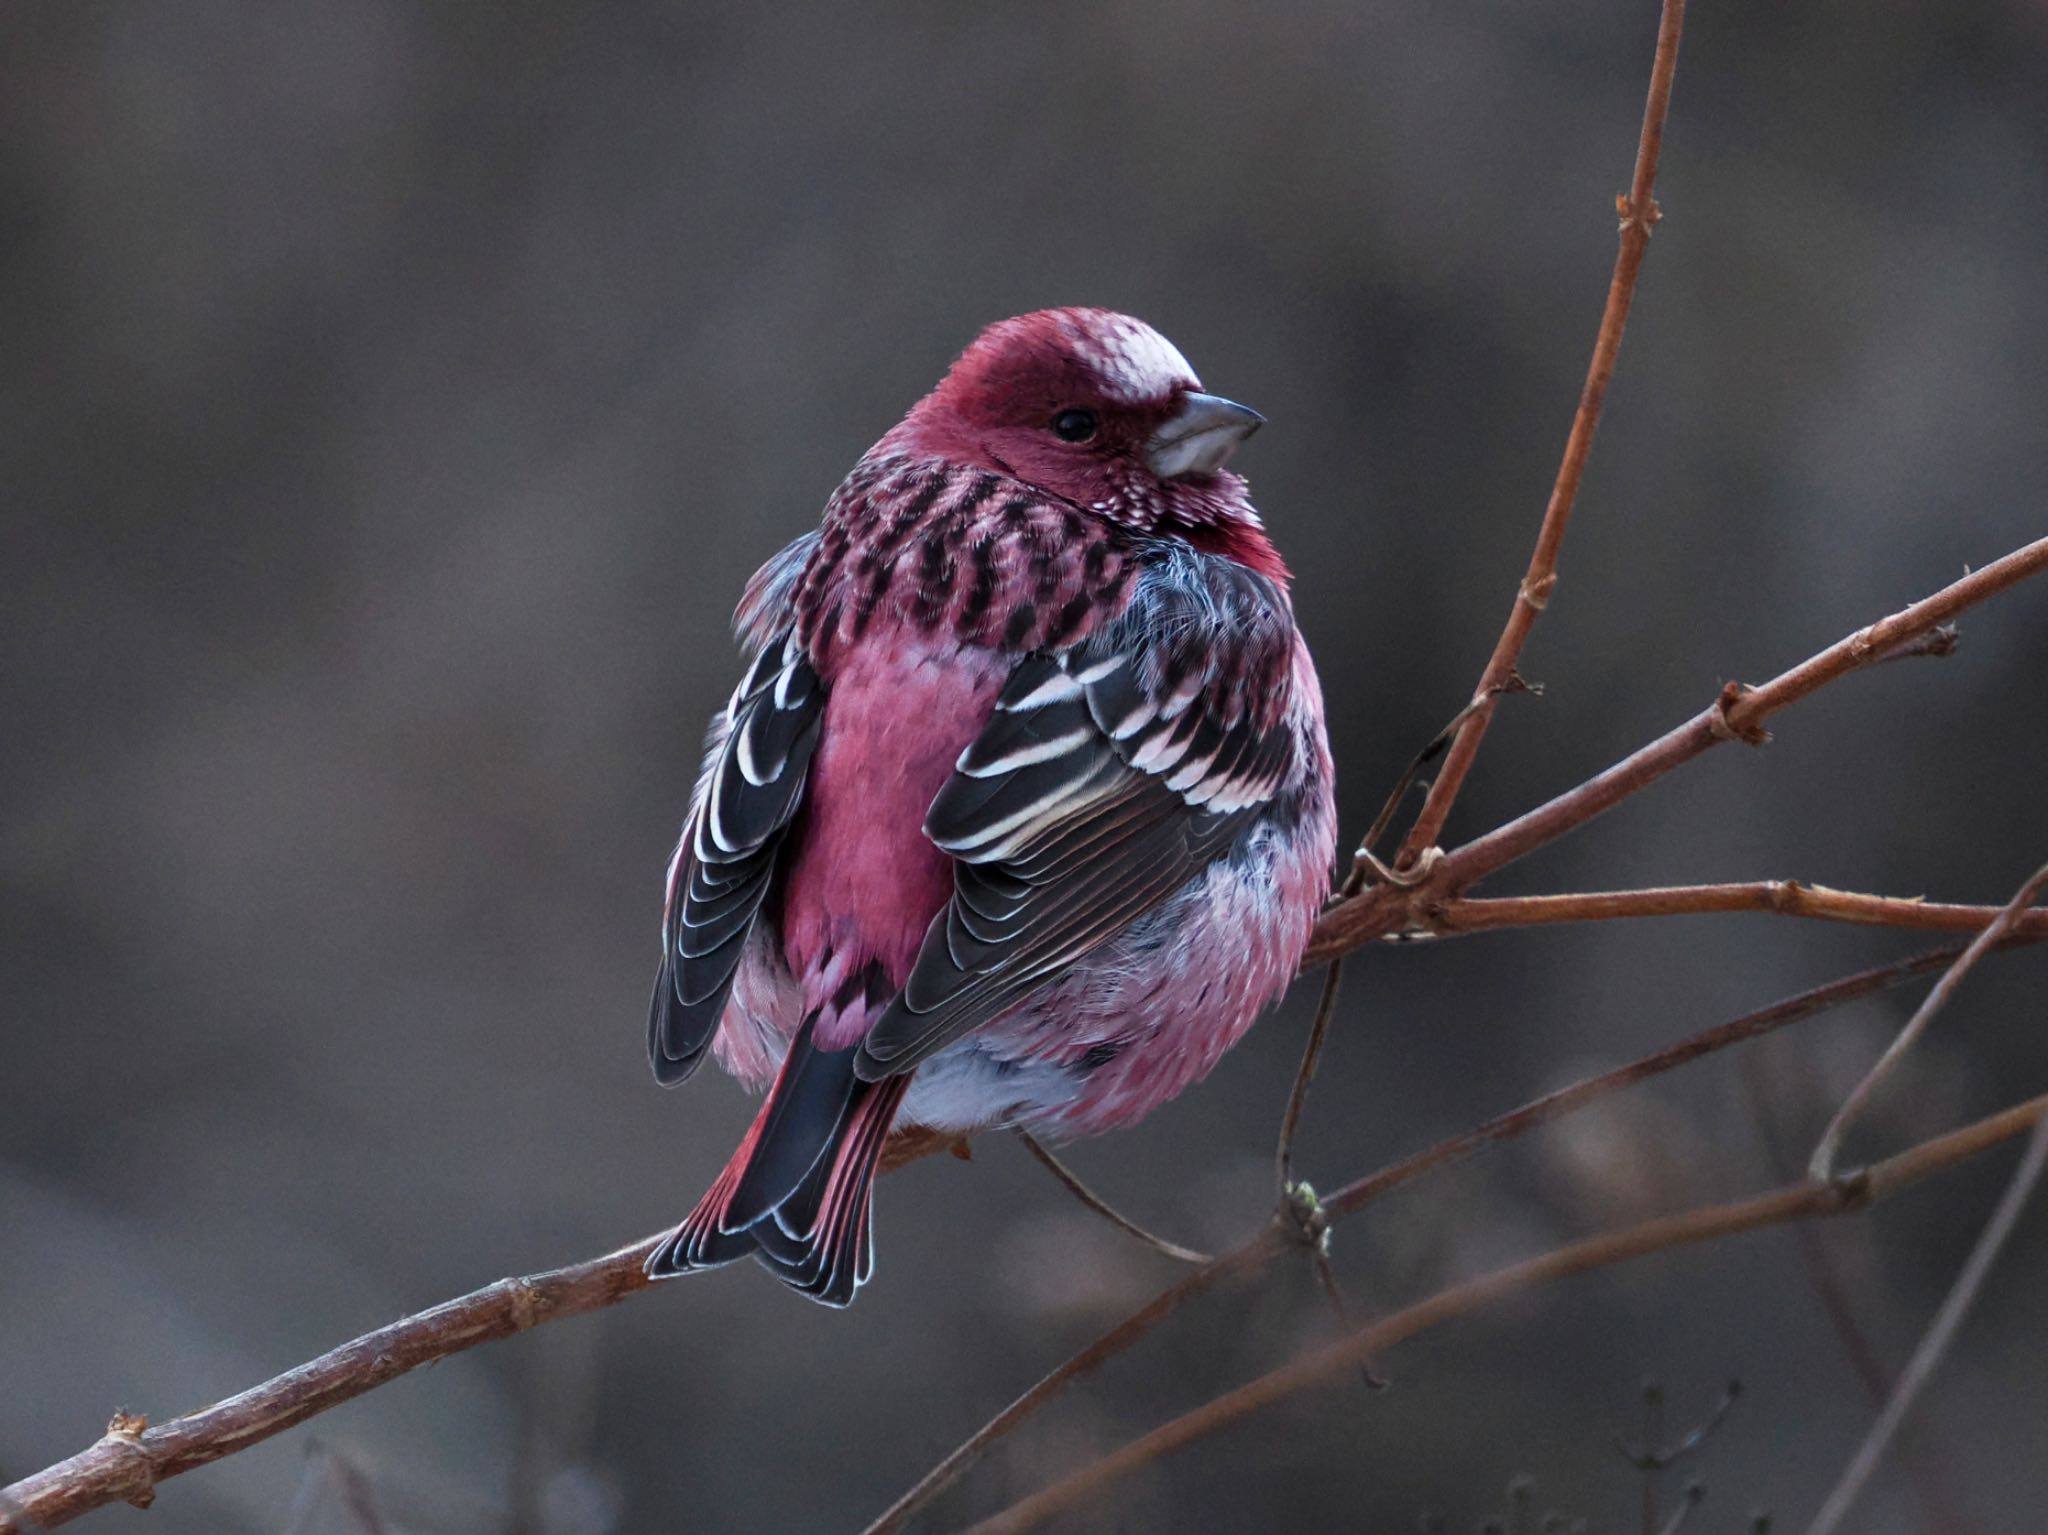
797 1191
820 1240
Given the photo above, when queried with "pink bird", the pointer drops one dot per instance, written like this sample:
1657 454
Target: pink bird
1023 809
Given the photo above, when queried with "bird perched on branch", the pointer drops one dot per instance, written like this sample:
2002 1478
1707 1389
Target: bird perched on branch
1022 811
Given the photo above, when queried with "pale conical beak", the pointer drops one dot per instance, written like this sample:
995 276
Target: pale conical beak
1199 437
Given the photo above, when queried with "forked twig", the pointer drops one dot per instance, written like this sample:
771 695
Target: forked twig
1737 714
1823 1162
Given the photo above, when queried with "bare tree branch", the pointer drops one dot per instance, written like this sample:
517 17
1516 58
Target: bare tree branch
1786 897
132 1458
1737 714
1800 1201
1639 215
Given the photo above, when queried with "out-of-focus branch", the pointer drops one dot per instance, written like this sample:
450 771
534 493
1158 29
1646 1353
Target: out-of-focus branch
1926 1459
1823 1163
1569 1100
1737 714
1786 897
1639 215
1274 1239
1801 1201
1239 1261
1940 1332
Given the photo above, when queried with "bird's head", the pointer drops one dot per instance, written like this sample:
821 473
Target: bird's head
1098 409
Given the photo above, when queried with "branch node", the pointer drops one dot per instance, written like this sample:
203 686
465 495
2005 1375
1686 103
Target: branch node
1721 721
1851 1190
1537 593
529 1306
1785 894
1646 221
126 1429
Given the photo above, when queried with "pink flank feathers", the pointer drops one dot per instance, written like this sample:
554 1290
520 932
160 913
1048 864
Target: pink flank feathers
1022 811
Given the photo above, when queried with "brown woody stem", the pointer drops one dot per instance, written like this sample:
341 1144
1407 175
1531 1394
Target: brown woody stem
1737 714
1786 897
1639 215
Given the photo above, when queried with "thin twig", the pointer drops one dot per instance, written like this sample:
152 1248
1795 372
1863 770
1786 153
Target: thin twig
1567 1100
1326 1277
1940 1332
1365 864
1117 1340
1101 1206
1311 1057
1273 1239
1655 1454
1785 897
1639 215
1823 1161
1799 1201
1926 1462
1737 714
130 1460
1652 1468
1363 861
1695 1494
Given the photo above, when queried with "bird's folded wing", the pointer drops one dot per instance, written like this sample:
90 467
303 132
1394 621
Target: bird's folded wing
750 793
1107 777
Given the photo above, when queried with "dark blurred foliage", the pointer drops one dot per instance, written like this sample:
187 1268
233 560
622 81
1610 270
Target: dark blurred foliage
393 400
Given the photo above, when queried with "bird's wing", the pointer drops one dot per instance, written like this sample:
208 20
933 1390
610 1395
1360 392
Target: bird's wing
1107 776
756 762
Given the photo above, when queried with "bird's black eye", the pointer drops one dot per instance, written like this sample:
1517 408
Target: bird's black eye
1074 425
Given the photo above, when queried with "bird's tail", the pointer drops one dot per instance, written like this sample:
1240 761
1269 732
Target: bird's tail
797 1193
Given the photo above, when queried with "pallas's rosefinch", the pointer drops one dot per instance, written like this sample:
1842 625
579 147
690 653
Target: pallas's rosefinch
1022 811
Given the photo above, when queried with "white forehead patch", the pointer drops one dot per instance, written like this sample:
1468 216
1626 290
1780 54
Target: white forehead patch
1137 364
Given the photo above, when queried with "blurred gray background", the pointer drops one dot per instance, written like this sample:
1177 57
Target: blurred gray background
393 400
